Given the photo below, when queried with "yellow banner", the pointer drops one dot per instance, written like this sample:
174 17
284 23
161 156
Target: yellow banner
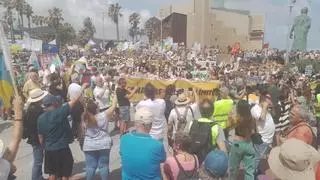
204 89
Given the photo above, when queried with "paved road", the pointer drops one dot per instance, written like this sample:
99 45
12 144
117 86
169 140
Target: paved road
24 158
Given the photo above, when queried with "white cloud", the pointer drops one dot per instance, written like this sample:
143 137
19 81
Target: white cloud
75 11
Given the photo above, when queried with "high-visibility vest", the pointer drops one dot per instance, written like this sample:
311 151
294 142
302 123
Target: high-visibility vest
214 130
222 108
318 109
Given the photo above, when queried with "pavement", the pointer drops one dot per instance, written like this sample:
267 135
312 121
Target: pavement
24 159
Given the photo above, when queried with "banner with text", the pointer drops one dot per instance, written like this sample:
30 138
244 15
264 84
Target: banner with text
204 89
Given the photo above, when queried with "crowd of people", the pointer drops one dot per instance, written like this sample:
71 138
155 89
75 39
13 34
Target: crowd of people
261 116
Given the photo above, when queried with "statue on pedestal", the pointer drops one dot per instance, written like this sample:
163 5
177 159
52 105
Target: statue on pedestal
300 30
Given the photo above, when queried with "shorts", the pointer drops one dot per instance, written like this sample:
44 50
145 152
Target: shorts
124 113
59 162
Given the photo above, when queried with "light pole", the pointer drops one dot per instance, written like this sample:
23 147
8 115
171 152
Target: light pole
161 30
291 5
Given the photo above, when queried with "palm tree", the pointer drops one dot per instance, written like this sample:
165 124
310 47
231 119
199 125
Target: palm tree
54 21
9 19
114 14
28 12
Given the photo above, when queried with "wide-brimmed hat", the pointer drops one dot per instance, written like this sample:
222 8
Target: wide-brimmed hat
182 100
36 95
294 160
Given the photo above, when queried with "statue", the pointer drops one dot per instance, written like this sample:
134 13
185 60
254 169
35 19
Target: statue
300 30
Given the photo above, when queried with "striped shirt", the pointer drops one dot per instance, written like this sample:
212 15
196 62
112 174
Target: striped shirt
284 122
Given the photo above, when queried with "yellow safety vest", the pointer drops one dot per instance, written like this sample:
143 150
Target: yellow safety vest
222 108
214 130
318 109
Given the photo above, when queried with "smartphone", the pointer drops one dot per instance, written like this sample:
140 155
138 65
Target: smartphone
113 87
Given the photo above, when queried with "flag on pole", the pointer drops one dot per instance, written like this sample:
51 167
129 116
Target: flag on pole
6 88
7 83
33 60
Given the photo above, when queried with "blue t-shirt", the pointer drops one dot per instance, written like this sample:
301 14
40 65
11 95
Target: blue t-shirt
141 157
55 128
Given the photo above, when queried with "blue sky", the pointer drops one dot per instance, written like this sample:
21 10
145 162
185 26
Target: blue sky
276 15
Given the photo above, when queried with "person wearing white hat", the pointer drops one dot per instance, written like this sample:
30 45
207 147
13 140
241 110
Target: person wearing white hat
30 130
294 160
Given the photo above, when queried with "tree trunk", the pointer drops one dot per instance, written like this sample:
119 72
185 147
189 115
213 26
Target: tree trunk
29 25
117 25
12 33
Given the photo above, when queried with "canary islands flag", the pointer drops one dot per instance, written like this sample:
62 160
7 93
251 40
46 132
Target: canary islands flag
6 87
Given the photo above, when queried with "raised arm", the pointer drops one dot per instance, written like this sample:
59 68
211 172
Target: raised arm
111 109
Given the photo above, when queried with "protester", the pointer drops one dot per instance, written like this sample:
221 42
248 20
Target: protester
102 94
294 160
74 90
123 96
205 133
30 130
97 142
299 129
141 155
169 97
182 165
157 106
183 114
32 83
215 166
242 149
265 127
55 135
222 108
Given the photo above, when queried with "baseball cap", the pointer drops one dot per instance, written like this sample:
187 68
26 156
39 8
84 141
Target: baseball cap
216 163
143 115
49 100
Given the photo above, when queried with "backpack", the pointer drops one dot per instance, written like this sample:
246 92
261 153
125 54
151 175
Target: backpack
182 120
314 143
201 138
187 175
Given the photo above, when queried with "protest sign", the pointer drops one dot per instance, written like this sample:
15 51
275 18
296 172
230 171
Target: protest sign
204 89
308 70
47 59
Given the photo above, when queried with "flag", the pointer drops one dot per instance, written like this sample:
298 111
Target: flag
7 85
33 60
6 88
56 61
54 42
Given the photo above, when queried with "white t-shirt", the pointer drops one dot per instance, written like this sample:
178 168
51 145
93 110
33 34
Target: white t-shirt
74 90
98 138
102 97
265 128
173 117
157 107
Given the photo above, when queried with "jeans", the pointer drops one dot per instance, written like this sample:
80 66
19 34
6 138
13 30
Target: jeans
242 151
97 160
37 162
261 151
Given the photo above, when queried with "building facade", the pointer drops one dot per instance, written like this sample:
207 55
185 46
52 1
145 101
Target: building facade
217 26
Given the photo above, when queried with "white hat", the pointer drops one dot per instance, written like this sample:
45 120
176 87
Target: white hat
294 160
182 100
143 115
36 95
